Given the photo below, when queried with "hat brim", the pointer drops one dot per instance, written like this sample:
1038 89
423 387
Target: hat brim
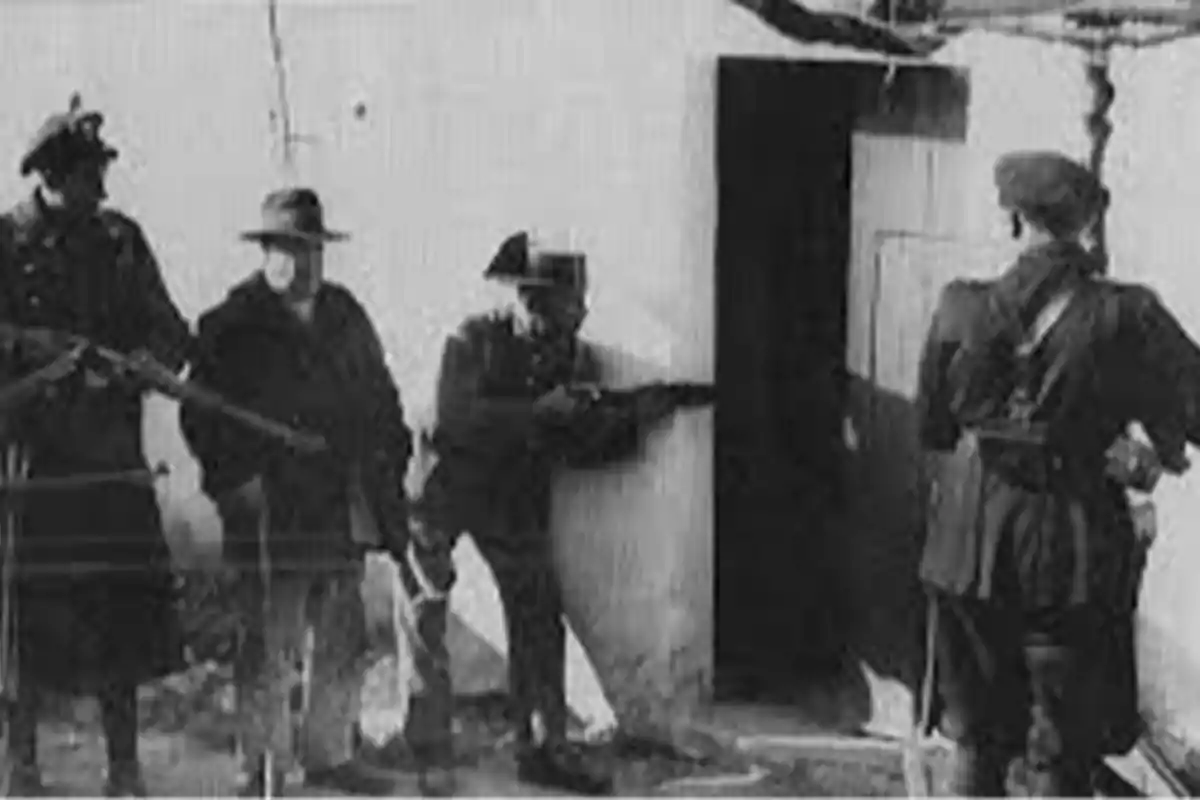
525 281
263 236
36 161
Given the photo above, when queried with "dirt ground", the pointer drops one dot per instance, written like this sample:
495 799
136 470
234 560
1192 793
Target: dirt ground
188 736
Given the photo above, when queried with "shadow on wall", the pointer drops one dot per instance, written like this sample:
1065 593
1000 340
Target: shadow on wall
878 550
867 603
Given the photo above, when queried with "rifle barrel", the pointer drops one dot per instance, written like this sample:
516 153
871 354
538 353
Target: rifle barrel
145 477
157 376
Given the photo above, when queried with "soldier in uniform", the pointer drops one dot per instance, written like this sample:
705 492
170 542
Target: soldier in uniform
301 349
95 592
1026 384
503 375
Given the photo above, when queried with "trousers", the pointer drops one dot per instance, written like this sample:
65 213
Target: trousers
276 621
522 565
1019 683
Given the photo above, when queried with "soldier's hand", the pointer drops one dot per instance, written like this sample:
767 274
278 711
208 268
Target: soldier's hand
557 402
63 366
307 443
94 380
1134 464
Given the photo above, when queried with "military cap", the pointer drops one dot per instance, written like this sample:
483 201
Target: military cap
66 139
1047 186
511 261
522 264
293 213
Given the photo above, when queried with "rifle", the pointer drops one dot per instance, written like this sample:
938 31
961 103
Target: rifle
610 424
660 394
64 349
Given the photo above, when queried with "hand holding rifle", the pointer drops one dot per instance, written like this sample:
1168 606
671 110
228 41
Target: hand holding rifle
556 404
70 352
17 393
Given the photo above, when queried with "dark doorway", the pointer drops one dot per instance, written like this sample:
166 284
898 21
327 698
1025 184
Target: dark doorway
783 248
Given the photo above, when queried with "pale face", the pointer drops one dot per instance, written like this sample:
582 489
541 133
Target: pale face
293 267
556 312
82 188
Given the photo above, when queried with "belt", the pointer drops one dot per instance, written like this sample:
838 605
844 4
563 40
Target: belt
1028 460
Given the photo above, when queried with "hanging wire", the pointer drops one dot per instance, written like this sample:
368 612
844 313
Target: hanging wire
889 76
283 111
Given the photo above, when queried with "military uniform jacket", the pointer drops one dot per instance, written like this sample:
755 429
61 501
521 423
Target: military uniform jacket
480 469
96 277
1115 356
327 377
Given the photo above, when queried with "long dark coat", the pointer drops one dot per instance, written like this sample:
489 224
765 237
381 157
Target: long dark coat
1115 357
329 378
96 593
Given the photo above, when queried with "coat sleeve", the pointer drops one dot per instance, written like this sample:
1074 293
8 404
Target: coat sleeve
1164 374
465 414
386 460
936 426
394 437
229 454
154 321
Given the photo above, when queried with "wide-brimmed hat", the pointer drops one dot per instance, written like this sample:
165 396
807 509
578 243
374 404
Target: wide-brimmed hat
66 139
524 266
293 213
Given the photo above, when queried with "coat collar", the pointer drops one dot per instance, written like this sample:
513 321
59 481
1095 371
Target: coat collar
255 301
33 219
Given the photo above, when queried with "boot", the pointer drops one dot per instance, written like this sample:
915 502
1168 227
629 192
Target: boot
564 767
125 781
351 777
118 717
25 780
437 781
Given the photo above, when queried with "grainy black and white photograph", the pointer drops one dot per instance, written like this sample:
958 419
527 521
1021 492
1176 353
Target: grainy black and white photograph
685 398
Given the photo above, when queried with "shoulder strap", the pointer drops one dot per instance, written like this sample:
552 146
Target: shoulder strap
1046 319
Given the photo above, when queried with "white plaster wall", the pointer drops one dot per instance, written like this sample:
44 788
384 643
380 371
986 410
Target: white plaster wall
593 117
574 114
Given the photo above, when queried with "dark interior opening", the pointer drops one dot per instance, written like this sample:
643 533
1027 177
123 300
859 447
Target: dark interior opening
783 248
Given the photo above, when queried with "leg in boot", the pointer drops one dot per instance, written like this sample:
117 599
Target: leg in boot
1061 741
427 574
429 729
339 654
537 652
26 777
980 683
118 710
263 674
